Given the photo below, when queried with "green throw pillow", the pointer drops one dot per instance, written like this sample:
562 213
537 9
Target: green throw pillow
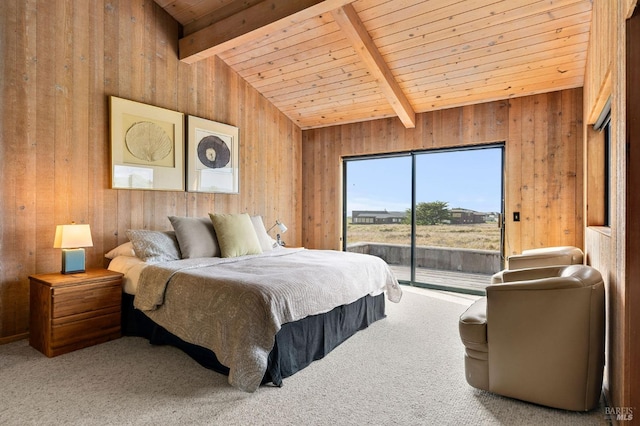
236 234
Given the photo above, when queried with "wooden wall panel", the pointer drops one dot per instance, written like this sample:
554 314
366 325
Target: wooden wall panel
600 55
543 137
61 61
613 250
513 192
632 206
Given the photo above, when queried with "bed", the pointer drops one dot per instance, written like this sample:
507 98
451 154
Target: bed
257 316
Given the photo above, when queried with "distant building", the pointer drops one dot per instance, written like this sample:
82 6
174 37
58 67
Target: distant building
493 217
461 216
374 217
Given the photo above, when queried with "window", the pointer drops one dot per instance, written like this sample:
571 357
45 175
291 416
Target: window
431 215
599 191
607 171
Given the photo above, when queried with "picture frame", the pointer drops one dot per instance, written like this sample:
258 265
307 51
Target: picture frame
212 156
147 146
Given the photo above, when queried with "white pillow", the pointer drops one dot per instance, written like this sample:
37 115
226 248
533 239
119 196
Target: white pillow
266 242
125 249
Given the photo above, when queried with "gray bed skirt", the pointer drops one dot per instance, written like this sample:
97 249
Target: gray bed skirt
297 344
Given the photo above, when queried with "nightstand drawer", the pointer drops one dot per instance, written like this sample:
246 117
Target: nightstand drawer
85 298
84 316
86 332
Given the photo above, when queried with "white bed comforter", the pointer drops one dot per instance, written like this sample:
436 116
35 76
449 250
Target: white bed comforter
235 306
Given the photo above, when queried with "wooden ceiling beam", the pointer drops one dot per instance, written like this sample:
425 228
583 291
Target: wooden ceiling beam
347 18
217 15
261 19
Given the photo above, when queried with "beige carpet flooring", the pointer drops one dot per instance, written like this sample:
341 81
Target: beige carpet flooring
404 370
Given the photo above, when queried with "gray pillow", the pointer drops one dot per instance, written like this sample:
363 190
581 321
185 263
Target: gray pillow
154 246
196 236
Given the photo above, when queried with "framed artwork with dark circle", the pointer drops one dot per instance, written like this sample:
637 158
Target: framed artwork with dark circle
212 156
147 146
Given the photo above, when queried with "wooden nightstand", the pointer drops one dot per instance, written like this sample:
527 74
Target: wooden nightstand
70 312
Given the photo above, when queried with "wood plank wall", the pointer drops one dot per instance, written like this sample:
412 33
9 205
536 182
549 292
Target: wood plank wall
632 207
60 62
544 163
599 245
613 250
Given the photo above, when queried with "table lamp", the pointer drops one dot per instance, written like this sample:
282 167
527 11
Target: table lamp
71 239
282 229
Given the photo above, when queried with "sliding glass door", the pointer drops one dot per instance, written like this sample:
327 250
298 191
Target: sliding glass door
378 198
434 216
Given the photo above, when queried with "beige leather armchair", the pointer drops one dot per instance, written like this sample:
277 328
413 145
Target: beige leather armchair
538 336
547 256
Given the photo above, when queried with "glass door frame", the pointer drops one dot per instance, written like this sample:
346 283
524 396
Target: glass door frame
414 154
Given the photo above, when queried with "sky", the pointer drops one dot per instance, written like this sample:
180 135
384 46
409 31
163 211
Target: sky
469 179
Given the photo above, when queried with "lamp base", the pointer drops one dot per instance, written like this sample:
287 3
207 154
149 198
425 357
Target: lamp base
72 261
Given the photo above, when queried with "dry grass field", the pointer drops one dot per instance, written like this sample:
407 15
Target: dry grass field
485 236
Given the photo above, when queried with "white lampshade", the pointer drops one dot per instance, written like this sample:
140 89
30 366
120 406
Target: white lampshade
72 236
281 226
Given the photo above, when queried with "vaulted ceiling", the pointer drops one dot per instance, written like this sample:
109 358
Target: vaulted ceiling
331 62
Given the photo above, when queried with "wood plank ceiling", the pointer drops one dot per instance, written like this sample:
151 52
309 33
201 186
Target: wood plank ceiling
332 62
